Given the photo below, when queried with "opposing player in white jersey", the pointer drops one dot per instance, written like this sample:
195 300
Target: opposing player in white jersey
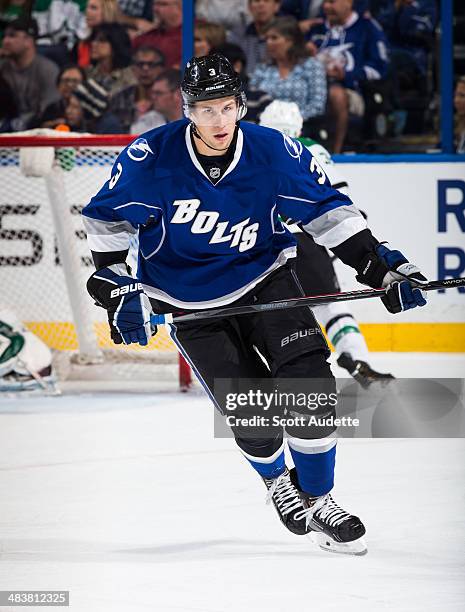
314 264
205 196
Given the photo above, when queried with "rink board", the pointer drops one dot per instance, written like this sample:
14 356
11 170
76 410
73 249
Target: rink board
419 207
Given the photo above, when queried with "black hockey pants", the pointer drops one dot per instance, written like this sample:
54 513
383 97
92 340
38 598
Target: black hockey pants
290 342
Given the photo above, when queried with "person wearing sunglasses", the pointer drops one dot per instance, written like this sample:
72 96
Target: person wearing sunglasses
132 103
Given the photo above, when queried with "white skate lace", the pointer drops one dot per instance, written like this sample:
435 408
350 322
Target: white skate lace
325 508
285 494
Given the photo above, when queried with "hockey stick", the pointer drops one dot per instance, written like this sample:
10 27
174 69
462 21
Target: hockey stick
313 300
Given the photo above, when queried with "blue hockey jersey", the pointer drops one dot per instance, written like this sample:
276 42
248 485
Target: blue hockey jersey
359 46
203 244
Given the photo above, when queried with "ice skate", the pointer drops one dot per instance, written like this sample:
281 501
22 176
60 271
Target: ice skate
328 525
288 503
333 529
362 372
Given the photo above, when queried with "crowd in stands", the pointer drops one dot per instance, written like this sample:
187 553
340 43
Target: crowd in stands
358 70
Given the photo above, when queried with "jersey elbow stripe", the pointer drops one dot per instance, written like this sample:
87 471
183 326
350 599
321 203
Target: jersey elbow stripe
336 226
99 227
341 232
108 242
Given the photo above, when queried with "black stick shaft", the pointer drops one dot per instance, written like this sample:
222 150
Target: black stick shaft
314 300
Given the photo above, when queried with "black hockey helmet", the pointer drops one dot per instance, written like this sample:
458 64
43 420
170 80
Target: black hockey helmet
209 78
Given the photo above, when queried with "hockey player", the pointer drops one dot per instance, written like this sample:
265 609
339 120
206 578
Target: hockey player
314 266
205 195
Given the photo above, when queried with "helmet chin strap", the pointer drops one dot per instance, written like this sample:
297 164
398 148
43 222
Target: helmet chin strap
196 133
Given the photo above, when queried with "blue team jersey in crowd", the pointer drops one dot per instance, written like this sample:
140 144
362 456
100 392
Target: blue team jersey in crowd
359 46
203 244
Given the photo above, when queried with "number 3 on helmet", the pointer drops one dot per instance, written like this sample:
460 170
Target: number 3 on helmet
210 78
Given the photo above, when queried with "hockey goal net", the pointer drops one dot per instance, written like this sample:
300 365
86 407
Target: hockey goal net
45 262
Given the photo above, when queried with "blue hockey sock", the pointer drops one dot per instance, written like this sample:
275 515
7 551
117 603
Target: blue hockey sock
315 471
269 470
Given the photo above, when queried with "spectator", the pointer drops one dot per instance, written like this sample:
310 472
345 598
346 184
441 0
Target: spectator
110 52
353 50
87 110
409 27
257 100
290 75
459 104
31 77
233 14
67 81
132 103
206 36
97 12
166 101
309 12
167 34
166 95
252 38
61 24
8 107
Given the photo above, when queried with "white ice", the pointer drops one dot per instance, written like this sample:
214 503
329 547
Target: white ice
127 501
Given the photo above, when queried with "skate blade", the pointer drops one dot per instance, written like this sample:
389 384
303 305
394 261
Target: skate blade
356 547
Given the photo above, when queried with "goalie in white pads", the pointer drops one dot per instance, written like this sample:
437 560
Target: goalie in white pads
25 361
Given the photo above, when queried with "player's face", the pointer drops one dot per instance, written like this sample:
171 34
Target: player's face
216 120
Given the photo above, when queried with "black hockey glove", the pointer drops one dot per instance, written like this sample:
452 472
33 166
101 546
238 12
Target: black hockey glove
403 280
127 305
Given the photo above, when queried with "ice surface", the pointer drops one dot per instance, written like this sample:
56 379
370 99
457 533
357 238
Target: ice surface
101 496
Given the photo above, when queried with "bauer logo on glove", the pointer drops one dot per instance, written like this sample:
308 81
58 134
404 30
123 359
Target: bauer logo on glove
127 305
126 289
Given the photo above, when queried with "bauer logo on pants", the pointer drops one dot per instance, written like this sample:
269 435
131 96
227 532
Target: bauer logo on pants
303 333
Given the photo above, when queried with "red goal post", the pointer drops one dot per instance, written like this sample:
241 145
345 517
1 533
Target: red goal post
46 178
